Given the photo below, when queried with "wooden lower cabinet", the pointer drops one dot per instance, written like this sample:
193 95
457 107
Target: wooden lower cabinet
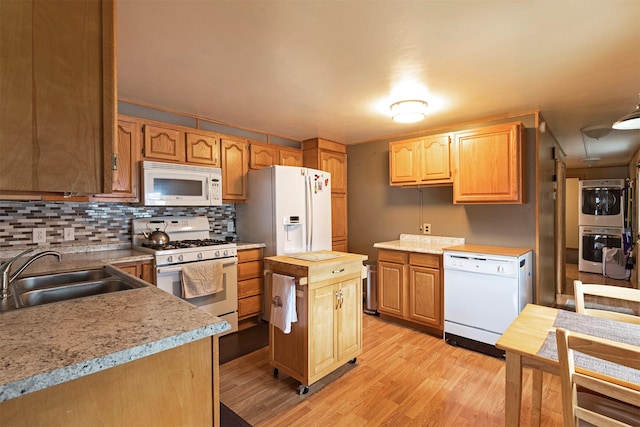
141 269
410 289
328 332
176 387
250 287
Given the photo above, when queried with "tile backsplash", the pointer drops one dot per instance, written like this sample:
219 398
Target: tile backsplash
93 223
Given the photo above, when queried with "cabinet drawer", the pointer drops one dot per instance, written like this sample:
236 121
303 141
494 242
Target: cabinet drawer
424 260
248 270
249 255
334 272
249 287
392 256
249 306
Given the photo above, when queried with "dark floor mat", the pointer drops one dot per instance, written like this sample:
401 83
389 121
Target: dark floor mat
244 342
228 418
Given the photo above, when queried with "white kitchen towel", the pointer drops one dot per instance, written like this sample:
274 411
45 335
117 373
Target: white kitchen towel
283 302
201 278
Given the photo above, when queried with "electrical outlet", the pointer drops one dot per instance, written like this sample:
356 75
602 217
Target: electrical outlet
230 227
39 235
68 234
426 228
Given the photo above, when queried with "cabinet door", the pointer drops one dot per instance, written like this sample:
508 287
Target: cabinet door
235 167
163 143
338 216
322 328
336 165
349 318
391 288
58 95
488 165
125 162
290 157
425 296
203 149
262 156
434 165
404 162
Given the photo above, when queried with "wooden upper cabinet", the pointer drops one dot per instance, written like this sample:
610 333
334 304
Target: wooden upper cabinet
336 165
235 167
420 161
262 155
125 163
290 156
488 165
203 149
163 143
58 95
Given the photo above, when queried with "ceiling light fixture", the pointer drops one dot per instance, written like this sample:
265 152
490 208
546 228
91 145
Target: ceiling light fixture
597 131
630 121
410 111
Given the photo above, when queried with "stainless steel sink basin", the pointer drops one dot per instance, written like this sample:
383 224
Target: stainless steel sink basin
50 280
39 290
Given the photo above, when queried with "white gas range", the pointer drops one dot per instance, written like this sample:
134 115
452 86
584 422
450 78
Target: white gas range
190 242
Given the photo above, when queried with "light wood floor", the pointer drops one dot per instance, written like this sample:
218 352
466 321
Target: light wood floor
403 378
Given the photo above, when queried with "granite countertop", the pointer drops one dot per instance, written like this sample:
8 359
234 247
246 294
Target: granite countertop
420 243
54 343
242 246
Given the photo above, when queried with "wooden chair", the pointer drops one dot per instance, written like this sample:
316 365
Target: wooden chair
593 397
613 292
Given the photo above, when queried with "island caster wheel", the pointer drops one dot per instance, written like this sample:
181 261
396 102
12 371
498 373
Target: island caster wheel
275 372
303 389
353 361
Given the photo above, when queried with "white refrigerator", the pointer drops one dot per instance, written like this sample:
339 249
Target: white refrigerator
288 208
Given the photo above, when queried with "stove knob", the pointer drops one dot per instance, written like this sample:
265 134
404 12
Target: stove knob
199 255
180 258
217 253
500 269
226 252
170 258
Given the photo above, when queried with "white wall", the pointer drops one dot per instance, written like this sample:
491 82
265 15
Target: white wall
571 220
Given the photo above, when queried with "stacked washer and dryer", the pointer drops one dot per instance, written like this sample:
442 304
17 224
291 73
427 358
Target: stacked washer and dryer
601 206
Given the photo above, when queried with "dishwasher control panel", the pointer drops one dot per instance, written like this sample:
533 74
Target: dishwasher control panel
483 264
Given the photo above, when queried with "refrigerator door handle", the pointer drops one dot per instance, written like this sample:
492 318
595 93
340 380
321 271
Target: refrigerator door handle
309 213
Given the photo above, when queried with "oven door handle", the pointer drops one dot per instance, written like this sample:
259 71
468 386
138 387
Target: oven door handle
163 270
171 269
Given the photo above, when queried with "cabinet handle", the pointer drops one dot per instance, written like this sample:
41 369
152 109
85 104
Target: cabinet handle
337 271
337 300
341 298
115 162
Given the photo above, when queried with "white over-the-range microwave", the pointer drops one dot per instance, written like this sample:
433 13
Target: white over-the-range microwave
173 184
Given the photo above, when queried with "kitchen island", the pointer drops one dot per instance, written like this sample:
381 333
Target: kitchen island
328 332
135 357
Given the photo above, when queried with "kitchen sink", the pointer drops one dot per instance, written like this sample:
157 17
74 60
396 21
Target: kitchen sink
39 290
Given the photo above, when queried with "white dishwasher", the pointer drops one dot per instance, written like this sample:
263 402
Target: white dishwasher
485 288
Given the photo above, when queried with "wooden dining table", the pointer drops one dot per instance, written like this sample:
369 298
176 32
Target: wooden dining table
525 342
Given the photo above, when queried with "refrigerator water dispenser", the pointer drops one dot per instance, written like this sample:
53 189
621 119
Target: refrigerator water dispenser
294 239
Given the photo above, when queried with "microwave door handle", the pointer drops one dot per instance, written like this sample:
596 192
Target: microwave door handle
208 185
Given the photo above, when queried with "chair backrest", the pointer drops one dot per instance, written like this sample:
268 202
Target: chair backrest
593 397
629 295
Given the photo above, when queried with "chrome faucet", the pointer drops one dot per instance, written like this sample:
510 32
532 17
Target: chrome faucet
7 277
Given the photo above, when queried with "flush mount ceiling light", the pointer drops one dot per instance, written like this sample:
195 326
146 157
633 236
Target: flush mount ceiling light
630 121
408 111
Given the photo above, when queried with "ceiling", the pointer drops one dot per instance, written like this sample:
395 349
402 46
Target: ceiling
330 69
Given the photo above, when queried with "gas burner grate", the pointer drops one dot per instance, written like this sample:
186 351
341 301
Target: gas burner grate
182 244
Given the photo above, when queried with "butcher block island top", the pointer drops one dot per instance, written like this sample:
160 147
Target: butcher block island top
314 267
